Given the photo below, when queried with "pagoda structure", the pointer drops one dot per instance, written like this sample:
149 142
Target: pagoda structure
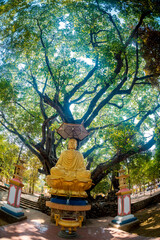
12 208
124 219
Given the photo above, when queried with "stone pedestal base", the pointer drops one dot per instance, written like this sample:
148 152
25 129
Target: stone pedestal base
9 217
67 235
69 214
68 217
17 212
65 210
125 222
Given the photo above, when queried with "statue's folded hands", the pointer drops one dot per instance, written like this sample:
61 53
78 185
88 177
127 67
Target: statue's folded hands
70 172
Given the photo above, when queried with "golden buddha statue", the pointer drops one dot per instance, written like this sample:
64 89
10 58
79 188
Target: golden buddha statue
69 176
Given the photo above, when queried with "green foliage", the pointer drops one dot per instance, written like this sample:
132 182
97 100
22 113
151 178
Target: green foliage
151 53
103 187
120 138
143 169
6 91
31 175
8 157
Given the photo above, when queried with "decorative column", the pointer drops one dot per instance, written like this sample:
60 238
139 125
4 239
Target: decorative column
124 220
13 201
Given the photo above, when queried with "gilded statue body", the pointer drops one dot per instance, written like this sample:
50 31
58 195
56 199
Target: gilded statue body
70 164
70 174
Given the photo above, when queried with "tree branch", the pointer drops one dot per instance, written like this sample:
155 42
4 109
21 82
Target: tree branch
137 58
111 19
43 109
134 32
83 94
35 86
104 168
53 103
25 109
10 130
80 84
14 131
94 102
104 102
144 77
31 146
96 146
89 162
45 84
114 104
111 124
146 115
47 60
143 83
44 129
57 106
84 100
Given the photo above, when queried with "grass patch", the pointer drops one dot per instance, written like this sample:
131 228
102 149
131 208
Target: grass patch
149 222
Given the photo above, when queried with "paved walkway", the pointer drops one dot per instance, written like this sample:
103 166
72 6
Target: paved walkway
38 227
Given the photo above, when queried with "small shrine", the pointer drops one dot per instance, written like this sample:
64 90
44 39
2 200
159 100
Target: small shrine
124 220
12 207
69 181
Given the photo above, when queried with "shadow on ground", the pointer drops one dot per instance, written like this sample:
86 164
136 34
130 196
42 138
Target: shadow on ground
149 221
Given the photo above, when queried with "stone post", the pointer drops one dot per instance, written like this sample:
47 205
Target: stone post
12 208
124 219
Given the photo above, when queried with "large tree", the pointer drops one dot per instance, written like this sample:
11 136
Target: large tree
80 62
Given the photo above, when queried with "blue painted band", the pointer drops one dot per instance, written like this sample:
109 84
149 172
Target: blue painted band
69 201
19 214
125 221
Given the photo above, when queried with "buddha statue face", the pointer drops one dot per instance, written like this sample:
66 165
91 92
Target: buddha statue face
72 144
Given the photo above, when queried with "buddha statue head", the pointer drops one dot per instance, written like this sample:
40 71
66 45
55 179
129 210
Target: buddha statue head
72 144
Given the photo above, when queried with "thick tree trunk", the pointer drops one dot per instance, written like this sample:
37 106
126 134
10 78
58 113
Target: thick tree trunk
115 182
33 187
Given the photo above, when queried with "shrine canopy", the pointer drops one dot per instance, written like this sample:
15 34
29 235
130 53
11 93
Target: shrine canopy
70 130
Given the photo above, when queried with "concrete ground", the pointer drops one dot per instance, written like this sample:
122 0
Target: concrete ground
38 227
